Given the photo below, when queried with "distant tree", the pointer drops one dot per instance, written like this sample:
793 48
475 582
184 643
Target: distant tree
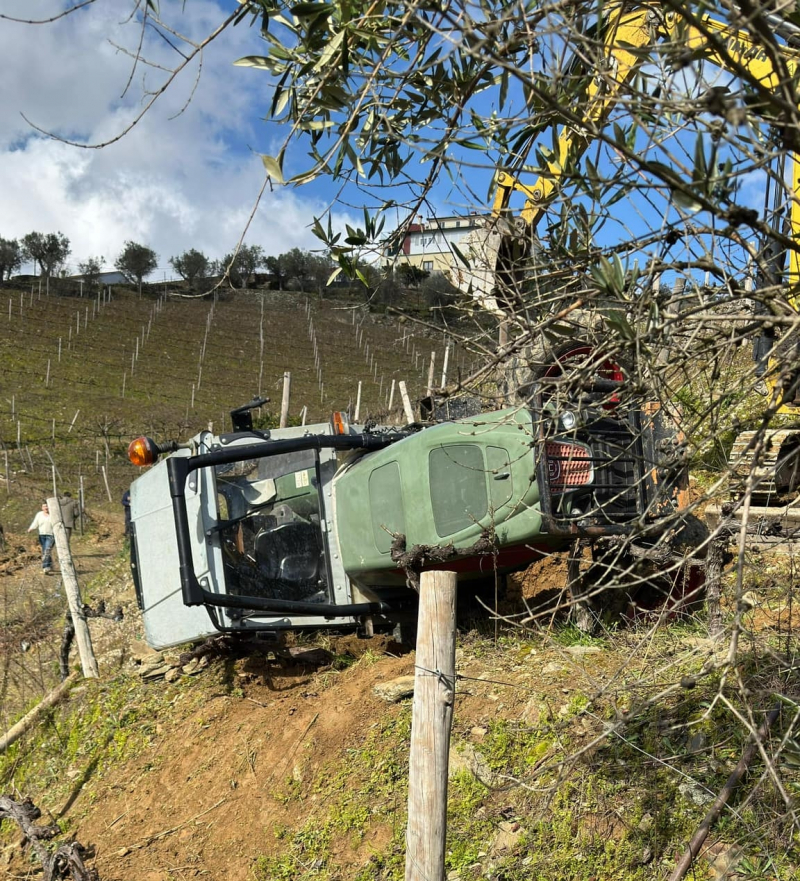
298 266
438 293
276 268
388 290
49 250
244 265
136 262
90 270
191 265
412 275
320 269
10 258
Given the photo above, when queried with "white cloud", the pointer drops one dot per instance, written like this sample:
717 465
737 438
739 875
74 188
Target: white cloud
188 182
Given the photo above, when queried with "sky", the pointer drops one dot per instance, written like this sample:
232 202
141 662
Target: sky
172 184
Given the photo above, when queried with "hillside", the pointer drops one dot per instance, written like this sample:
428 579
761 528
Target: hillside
83 376
573 757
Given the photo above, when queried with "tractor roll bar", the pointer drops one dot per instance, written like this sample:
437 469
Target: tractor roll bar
180 467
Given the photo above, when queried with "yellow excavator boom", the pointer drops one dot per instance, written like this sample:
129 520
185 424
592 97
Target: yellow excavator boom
625 33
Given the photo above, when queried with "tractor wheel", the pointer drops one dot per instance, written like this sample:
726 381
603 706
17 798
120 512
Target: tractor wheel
551 368
616 584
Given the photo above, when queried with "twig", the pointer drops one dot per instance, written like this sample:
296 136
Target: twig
163 834
722 799
28 721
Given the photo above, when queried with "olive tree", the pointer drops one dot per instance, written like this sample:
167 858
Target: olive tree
191 265
48 250
90 270
241 265
10 258
136 262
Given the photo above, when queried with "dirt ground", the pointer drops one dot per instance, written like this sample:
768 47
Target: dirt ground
33 605
240 750
205 796
205 800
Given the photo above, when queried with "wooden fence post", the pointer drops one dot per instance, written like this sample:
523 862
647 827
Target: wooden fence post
287 387
82 636
502 336
431 371
434 694
357 411
105 480
409 410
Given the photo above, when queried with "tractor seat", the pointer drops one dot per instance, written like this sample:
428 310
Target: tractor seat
290 552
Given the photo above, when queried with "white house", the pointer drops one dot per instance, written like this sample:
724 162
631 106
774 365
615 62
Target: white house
428 244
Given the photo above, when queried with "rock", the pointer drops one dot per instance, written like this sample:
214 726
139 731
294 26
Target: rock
723 860
646 857
140 651
312 657
697 742
508 834
646 823
172 674
466 758
553 667
695 793
479 732
155 672
151 661
749 600
535 712
194 666
395 690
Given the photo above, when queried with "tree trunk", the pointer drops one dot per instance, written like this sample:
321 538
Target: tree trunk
714 564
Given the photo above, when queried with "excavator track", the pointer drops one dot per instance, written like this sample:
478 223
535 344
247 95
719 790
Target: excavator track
775 479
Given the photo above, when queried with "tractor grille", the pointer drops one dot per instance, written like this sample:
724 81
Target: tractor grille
569 466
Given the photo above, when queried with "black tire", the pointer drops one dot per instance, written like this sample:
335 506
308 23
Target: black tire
547 368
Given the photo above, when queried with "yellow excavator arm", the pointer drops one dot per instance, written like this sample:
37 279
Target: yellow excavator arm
625 33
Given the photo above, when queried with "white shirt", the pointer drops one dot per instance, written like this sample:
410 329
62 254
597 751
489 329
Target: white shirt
43 523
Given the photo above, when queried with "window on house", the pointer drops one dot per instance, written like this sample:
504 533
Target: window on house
427 265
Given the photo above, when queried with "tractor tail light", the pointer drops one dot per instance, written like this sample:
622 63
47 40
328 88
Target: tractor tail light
569 466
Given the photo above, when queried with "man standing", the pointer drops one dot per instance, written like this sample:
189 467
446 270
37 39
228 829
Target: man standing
126 507
69 509
43 524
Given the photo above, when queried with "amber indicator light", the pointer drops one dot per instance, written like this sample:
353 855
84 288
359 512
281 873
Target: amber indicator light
142 451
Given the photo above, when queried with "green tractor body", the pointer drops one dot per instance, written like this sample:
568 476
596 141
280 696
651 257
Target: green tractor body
314 526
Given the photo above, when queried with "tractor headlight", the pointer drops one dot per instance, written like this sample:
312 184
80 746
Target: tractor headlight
568 420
